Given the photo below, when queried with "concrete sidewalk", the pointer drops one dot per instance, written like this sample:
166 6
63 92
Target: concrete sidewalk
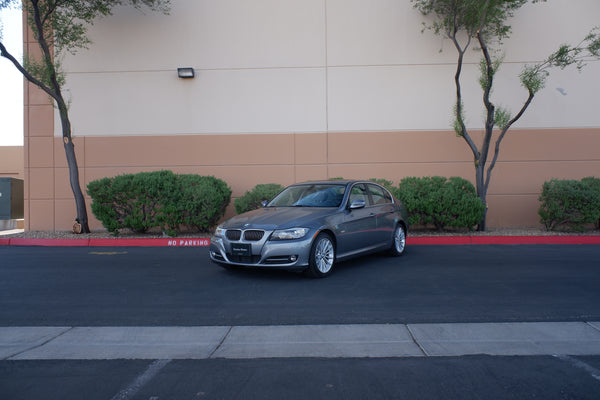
327 341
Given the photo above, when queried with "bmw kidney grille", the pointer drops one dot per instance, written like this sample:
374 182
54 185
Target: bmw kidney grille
251 235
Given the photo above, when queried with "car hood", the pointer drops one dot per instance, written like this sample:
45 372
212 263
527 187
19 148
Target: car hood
278 217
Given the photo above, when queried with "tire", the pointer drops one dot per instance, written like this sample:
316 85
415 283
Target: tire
398 241
322 256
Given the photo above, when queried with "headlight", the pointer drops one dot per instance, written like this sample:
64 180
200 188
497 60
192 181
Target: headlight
220 231
288 234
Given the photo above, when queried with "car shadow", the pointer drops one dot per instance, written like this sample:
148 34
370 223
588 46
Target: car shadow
272 274
351 266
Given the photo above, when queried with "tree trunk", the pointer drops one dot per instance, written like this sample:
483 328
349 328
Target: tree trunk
481 193
82 217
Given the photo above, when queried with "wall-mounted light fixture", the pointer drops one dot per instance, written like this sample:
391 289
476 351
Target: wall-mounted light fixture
187 72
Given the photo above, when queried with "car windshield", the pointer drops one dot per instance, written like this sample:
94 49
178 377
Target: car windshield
314 195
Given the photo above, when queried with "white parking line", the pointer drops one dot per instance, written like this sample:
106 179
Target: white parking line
130 391
581 365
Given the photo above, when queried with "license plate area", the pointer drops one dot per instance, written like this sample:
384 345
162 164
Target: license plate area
241 249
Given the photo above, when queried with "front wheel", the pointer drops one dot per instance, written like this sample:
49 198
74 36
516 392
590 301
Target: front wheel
398 241
322 256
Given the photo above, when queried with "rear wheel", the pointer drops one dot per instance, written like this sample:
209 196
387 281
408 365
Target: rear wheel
398 241
322 256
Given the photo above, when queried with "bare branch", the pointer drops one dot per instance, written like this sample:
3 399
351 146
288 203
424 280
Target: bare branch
501 137
4 53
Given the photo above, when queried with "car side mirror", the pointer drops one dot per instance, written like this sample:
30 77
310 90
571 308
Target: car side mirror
264 203
357 204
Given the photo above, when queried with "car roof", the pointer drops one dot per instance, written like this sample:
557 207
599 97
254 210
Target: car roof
333 181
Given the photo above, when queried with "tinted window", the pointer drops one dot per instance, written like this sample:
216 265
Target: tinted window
379 195
359 192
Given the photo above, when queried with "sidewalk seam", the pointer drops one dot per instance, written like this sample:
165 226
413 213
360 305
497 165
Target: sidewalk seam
414 339
39 345
220 343
592 326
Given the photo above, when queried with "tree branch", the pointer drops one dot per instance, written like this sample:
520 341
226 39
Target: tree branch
51 9
483 17
459 112
4 53
503 133
490 108
39 26
47 59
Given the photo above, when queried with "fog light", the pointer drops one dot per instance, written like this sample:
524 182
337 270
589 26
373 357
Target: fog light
293 258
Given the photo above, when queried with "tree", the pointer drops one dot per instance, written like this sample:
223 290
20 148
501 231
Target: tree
60 26
484 21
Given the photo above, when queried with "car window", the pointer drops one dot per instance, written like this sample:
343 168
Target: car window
359 192
318 195
379 195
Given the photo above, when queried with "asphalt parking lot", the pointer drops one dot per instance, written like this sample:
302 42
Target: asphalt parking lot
452 378
42 286
486 321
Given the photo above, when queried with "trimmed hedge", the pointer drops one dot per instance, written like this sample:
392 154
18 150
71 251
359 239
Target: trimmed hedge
252 199
440 201
570 204
594 183
159 199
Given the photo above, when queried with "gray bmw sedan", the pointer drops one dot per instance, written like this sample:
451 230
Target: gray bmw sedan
310 226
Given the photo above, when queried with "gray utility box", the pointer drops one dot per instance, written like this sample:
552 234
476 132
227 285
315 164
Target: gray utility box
11 198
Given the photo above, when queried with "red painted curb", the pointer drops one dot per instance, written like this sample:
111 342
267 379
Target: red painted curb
439 240
150 242
462 240
203 242
158 242
49 242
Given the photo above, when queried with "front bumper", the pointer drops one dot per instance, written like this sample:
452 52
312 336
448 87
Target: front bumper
265 253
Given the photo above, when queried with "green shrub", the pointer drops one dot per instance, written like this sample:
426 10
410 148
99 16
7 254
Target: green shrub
594 183
569 204
252 199
102 203
203 201
159 199
440 202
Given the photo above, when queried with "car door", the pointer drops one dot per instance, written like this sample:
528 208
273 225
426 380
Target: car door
357 231
383 209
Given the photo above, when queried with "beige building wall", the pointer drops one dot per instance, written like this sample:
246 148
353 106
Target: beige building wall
39 172
529 158
293 90
11 162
